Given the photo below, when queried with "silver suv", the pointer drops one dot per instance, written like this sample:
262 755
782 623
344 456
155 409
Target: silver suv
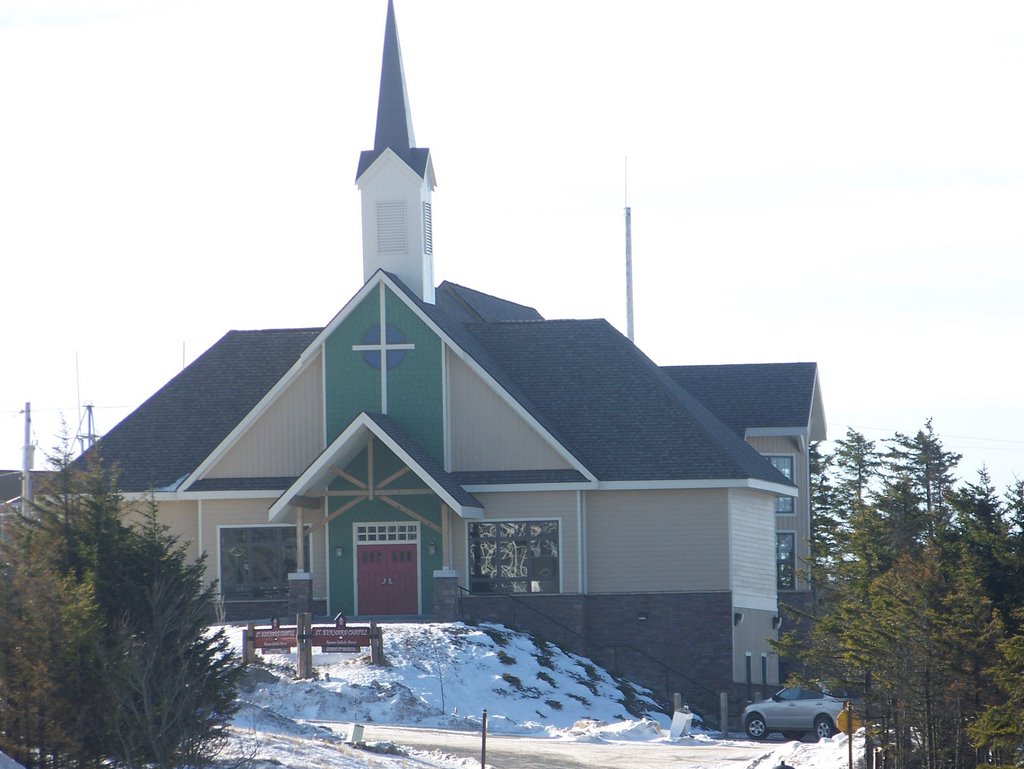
793 712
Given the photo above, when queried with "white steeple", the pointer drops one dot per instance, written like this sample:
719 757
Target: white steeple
396 180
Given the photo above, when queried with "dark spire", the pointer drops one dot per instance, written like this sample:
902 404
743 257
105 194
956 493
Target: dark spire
394 121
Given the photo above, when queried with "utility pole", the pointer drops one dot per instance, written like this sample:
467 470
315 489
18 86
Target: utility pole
26 462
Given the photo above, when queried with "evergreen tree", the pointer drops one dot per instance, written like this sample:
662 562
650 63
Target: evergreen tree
107 655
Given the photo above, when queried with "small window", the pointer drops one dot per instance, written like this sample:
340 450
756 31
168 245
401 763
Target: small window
784 464
785 560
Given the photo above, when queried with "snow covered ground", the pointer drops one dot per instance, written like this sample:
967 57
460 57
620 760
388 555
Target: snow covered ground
444 676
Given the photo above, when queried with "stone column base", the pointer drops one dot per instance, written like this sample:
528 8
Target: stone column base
446 594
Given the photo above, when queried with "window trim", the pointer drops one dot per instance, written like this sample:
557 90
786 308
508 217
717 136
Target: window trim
778 561
498 521
790 501
220 557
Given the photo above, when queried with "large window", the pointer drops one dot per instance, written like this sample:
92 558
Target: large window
785 560
255 562
513 557
784 465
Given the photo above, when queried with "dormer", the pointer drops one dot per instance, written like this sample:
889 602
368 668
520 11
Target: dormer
395 180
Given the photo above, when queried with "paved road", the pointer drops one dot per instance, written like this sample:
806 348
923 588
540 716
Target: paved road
519 752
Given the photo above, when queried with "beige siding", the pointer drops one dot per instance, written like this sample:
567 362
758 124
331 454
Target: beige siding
253 512
537 505
800 521
647 541
486 434
183 519
285 438
752 635
752 544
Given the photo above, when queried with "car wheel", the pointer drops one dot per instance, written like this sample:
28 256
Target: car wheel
755 726
823 727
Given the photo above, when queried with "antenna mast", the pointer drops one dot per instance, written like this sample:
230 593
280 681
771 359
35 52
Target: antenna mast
88 439
629 254
26 461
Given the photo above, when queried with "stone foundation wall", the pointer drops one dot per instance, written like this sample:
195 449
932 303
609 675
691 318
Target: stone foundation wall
669 642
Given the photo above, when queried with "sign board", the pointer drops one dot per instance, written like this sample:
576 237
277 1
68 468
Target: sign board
275 640
847 722
340 640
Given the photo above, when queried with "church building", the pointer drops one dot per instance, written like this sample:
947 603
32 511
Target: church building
435 452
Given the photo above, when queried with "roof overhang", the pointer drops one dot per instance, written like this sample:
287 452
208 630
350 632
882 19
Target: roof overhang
316 478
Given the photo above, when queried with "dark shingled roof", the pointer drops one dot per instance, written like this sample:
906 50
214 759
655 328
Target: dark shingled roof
170 434
422 457
274 486
752 394
482 307
584 382
612 407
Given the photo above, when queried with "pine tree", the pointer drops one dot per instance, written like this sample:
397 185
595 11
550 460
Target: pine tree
106 652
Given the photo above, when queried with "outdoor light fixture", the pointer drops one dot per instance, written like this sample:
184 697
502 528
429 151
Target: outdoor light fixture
642 616
432 549
776 622
339 551
737 618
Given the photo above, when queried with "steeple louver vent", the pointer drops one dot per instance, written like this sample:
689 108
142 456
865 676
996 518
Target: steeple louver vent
391 227
428 230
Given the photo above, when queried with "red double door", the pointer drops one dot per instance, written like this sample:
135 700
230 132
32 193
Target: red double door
387 579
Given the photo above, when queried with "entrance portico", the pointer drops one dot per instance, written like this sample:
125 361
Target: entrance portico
387 507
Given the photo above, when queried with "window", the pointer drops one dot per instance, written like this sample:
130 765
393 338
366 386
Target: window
785 560
387 532
785 466
513 557
255 562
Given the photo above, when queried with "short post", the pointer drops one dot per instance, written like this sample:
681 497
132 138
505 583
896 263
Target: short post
483 743
304 639
723 712
249 644
376 644
677 701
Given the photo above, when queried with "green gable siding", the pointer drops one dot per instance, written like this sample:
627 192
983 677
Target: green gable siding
415 388
414 377
350 386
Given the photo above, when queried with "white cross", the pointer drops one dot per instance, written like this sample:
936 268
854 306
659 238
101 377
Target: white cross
382 348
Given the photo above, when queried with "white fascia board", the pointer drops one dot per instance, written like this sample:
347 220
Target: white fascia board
247 494
710 483
479 371
776 432
801 434
754 601
818 428
306 357
389 158
501 488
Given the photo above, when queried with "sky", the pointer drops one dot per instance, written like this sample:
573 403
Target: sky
809 181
